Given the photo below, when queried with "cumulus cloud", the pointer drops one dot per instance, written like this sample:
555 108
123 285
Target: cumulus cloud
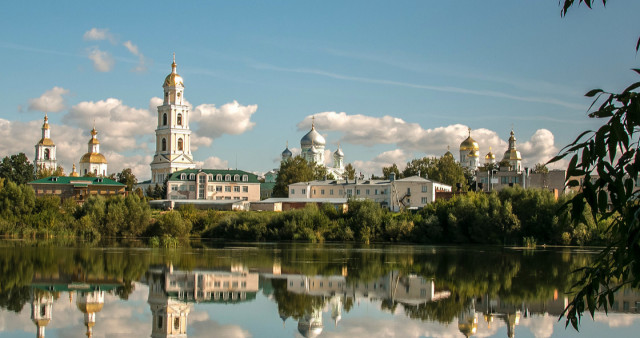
213 163
540 148
102 61
133 49
51 101
231 118
387 158
118 125
97 34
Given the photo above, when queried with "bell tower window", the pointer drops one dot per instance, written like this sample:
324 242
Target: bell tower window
179 119
180 144
164 119
164 144
46 154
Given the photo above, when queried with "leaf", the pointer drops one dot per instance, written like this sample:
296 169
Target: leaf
593 92
603 200
632 87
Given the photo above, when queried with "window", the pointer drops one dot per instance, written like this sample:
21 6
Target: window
331 192
408 191
321 191
245 189
174 188
349 192
183 188
227 188
503 180
236 189
201 179
160 321
176 323
227 177
375 192
192 176
180 145
192 188
357 191
245 178
183 176
424 188
236 177
424 200
515 179
218 188
219 177
210 188
314 191
304 191
245 198
164 117
179 119
164 144
210 177
46 154
293 191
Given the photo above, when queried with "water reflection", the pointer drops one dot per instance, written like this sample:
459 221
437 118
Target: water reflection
322 291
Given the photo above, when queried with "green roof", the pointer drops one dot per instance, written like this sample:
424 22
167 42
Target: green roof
76 181
252 178
267 185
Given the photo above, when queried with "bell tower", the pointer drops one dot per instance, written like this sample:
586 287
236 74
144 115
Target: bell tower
46 149
173 136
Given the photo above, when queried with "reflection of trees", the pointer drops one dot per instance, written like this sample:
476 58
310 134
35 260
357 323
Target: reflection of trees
292 304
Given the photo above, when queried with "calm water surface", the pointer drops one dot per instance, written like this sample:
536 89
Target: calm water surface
292 290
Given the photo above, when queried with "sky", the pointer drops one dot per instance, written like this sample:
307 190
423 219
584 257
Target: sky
389 81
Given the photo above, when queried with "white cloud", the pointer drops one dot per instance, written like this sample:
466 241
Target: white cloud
118 125
231 118
97 34
50 101
540 149
387 158
102 61
213 163
133 49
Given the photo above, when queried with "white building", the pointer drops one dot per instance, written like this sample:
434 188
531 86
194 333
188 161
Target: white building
410 192
312 145
173 136
93 162
46 149
469 153
513 155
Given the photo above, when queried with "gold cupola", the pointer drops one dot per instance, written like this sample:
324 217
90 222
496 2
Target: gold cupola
173 79
469 144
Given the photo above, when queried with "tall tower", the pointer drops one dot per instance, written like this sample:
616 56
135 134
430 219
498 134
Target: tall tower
46 149
90 303
169 315
173 136
41 310
512 154
469 153
93 162
312 145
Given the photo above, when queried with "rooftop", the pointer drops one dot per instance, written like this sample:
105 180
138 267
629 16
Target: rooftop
76 180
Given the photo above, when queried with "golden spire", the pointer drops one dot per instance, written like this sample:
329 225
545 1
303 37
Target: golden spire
469 131
173 65
313 121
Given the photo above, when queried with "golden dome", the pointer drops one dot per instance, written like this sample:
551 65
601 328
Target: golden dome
90 307
469 144
41 322
173 79
46 142
45 125
512 155
93 158
74 173
490 155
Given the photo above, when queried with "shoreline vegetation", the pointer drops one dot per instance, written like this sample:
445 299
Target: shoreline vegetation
513 216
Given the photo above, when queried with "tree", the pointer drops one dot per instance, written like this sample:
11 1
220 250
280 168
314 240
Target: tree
46 172
294 170
609 161
418 166
349 172
541 168
17 168
390 169
127 178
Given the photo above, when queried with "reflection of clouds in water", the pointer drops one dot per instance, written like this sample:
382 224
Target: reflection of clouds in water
202 327
540 326
617 319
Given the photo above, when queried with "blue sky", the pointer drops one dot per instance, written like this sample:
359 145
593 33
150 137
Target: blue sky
390 81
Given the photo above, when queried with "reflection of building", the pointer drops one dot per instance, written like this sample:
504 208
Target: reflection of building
90 303
410 192
169 315
310 325
41 310
468 320
45 149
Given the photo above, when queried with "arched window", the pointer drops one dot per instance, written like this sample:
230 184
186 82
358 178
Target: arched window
176 323
95 171
164 119
236 177
85 171
219 177
227 177
192 176
245 178
46 154
183 177
180 144
179 119
209 177
164 142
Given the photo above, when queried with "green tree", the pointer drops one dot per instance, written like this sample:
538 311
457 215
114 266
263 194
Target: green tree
127 178
390 169
446 170
541 168
609 161
295 170
418 166
46 172
17 168
349 172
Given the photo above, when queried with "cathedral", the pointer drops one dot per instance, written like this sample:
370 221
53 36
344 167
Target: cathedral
470 154
312 150
173 136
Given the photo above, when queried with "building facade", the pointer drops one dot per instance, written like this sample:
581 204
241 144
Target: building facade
93 162
213 184
46 149
411 192
78 188
173 136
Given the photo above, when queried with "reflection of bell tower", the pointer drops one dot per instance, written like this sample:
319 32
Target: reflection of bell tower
41 310
336 309
512 319
169 315
311 324
468 320
90 303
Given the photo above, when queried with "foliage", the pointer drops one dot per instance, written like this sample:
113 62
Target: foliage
541 168
47 172
17 168
349 172
127 178
294 170
390 169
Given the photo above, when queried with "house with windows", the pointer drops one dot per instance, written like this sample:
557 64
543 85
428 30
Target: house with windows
213 184
78 188
407 193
